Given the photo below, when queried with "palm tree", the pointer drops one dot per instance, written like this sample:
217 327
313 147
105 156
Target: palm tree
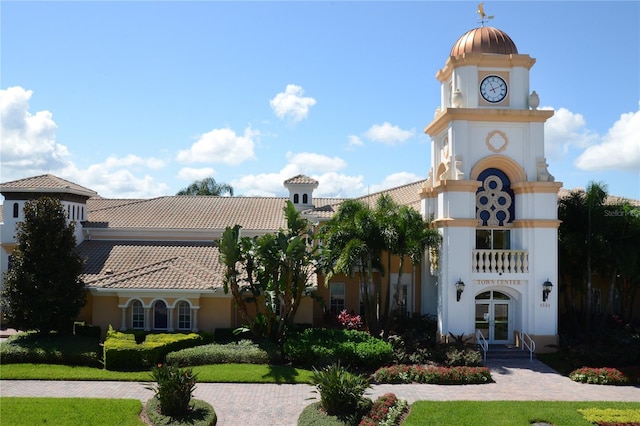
355 239
407 235
207 186
352 242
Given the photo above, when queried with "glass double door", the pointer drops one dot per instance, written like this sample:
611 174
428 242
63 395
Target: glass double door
492 316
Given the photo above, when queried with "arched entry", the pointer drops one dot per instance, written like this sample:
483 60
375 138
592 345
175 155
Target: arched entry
493 316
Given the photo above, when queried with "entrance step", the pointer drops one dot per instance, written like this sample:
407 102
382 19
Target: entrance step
506 352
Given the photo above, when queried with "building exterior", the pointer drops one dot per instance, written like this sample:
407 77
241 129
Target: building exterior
152 264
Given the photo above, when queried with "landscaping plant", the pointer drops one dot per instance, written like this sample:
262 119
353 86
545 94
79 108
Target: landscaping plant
173 389
341 392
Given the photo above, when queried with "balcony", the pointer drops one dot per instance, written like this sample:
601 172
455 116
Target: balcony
500 261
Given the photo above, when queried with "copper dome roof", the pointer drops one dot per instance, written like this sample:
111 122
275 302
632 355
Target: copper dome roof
484 40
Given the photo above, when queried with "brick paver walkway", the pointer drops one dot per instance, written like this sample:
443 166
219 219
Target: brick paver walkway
270 404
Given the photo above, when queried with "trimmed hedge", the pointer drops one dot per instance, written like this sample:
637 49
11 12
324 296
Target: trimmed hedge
121 352
56 348
82 329
242 352
607 376
320 347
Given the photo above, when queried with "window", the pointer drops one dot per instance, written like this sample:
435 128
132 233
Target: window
296 198
137 315
160 315
184 316
494 199
305 199
493 239
16 209
336 297
82 213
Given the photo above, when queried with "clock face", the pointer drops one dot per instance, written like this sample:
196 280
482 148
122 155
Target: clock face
493 89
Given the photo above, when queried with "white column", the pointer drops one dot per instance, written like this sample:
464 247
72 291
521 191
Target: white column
147 322
123 321
169 319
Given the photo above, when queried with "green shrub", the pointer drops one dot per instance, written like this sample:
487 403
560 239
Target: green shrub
341 392
81 329
432 375
463 357
320 347
122 352
56 348
315 415
242 352
173 389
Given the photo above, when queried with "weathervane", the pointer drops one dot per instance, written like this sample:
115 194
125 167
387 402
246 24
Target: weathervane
483 16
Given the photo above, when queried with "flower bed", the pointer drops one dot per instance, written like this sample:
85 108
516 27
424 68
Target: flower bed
432 375
386 410
606 376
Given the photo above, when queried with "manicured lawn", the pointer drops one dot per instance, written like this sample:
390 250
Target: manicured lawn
505 413
70 411
221 373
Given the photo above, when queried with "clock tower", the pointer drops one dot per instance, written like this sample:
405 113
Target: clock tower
492 198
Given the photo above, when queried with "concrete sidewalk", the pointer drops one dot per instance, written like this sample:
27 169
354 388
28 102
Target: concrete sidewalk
271 404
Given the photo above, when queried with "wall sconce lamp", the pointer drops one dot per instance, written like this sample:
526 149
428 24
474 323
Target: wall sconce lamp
546 289
459 289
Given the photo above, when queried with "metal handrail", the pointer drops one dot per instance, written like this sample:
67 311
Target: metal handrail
482 342
529 343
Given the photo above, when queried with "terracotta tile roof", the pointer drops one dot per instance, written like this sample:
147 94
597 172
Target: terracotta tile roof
46 183
188 212
151 265
301 179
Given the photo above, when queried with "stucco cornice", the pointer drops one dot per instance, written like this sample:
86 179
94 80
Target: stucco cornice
442 120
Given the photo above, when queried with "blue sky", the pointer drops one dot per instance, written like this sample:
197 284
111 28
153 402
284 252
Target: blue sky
138 99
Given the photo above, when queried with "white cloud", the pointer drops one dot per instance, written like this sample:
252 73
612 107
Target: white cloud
133 161
354 142
29 144
192 174
292 104
388 134
395 179
221 146
619 149
309 162
114 177
339 185
566 130
320 167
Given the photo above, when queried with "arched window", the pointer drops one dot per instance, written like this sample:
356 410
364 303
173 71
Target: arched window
137 315
184 316
494 199
16 210
495 209
305 199
296 198
160 315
